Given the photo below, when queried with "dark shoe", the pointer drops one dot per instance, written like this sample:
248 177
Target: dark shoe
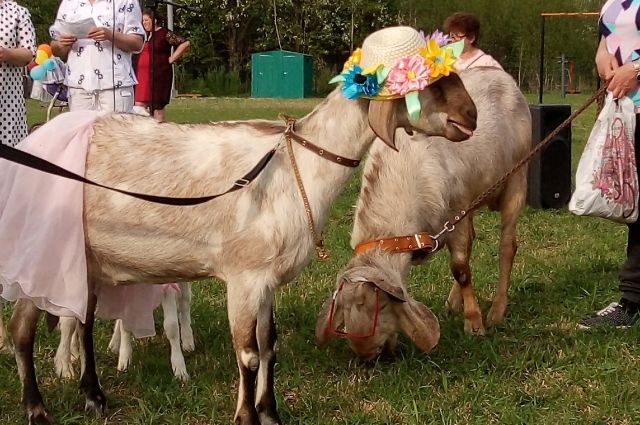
615 314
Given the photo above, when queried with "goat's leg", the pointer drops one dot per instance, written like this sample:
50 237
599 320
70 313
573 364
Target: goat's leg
23 329
454 300
459 244
243 304
5 344
75 347
172 332
114 342
125 351
266 336
510 209
95 400
184 311
62 360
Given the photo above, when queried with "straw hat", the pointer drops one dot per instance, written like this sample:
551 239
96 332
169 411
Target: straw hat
388 45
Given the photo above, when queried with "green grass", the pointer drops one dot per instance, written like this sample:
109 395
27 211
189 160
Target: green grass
532 369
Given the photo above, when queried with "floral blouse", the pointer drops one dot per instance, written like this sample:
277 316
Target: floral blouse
620 25
91 64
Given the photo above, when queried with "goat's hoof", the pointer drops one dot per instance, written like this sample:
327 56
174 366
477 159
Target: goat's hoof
495 315
247 417
474 329
271 418
181 375
123 364
187 342
64 369
95 402
38 415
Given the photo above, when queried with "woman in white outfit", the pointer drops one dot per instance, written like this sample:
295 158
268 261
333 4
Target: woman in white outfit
100 75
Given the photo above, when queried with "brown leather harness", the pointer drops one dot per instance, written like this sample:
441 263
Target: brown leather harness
291 136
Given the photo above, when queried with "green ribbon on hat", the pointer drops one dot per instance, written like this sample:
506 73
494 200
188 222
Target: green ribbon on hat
412 99
456 48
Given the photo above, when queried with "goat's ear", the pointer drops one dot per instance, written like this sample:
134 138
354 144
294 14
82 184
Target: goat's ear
323 333
419 324
395 291
383 120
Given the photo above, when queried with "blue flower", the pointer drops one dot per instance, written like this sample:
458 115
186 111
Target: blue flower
356 84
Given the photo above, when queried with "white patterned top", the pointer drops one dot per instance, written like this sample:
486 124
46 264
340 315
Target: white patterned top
16 31
91 64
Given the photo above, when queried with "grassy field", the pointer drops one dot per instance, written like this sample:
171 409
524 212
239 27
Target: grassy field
535 368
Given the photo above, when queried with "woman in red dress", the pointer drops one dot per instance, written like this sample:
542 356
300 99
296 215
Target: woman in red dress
163 42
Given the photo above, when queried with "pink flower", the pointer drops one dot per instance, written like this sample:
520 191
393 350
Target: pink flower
408 74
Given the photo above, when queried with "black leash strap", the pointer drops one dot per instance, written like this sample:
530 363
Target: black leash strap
31 161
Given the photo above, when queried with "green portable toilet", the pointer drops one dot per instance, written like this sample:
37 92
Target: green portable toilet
280 73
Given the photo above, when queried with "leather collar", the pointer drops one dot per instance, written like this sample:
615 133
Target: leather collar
416 242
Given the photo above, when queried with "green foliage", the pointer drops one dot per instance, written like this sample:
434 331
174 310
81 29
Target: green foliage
216 82
225 33
43 13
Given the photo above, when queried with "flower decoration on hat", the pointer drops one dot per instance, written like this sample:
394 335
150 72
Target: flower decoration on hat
405 76
440 38
356 83
440 60
354 59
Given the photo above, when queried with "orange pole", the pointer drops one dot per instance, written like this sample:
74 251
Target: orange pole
570 14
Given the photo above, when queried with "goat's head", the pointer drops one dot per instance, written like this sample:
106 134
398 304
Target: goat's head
446 110
369 307
410 84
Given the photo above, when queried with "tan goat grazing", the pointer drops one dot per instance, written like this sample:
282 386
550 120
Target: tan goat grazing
430 181
253 239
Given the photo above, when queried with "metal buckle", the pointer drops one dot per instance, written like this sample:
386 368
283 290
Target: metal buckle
241 182
419 243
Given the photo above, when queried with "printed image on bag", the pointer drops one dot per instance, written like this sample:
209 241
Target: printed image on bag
607 180
614 177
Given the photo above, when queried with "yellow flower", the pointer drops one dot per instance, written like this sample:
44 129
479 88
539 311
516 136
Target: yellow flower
440 60
354 59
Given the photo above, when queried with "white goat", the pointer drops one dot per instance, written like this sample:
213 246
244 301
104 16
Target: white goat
254 239
176 308
432 180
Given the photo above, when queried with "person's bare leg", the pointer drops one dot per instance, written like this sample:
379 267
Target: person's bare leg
159 115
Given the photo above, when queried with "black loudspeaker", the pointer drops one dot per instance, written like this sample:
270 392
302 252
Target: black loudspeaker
549 179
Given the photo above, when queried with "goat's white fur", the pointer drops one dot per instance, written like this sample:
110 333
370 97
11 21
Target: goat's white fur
176 307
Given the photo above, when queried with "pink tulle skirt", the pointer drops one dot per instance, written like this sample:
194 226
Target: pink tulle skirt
42 241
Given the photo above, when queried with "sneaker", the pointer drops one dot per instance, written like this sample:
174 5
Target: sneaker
140 110
615 314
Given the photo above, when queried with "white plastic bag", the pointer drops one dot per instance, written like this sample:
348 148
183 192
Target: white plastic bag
606 179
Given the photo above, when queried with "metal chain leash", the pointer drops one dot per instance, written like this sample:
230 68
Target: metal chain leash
450 225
